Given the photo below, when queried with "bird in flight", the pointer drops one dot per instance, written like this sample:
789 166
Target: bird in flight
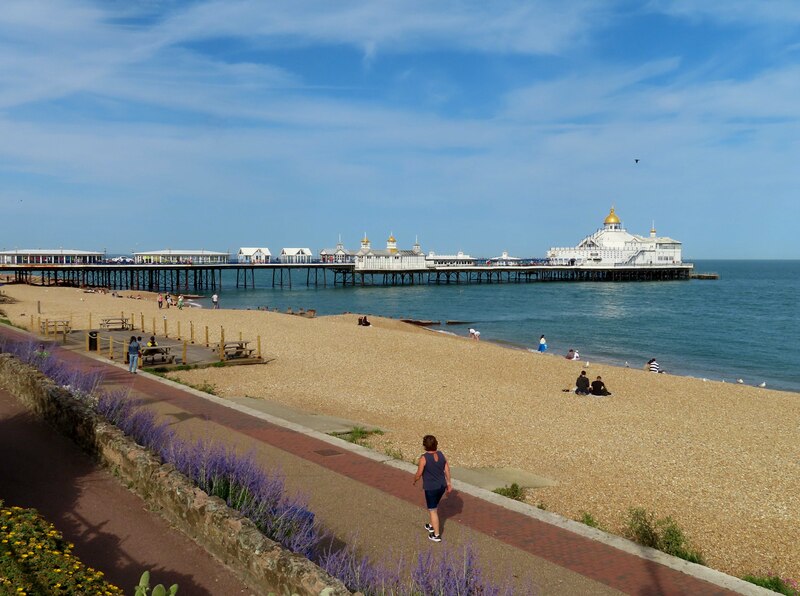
636 160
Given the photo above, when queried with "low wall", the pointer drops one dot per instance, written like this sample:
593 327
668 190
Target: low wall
264 565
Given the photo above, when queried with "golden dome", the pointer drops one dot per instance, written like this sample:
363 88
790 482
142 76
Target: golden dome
391 239
612 218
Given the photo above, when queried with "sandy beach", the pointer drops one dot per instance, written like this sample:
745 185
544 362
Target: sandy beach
722 459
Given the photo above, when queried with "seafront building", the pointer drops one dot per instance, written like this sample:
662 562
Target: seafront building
337 255
41 256
181 257
504 260
457 260
613 246
390 259
254 255
296 255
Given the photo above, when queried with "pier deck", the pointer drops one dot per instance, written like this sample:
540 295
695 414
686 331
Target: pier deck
196 278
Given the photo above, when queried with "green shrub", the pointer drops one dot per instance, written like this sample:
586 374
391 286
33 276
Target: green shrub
663 534
512 492
773 582
357 435
35 559
589 520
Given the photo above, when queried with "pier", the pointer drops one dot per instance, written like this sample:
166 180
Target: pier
188 278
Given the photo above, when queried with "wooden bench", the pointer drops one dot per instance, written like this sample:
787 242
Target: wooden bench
118 323
150 353
232 350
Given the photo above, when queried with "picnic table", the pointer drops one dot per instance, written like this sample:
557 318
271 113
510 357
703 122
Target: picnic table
120 323
235 349
55 326
150 353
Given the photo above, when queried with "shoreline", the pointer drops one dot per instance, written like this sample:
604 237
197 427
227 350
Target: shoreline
721 459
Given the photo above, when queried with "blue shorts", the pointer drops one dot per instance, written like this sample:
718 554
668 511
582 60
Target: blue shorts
432 497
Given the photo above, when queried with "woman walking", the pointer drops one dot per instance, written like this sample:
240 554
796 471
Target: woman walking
435 473
133 354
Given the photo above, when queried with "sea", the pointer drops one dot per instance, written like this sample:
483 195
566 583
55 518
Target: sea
744 325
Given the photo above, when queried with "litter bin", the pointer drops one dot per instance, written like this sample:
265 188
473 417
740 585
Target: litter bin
93 341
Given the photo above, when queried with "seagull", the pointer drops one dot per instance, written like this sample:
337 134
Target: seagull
740 381
764 384
627 365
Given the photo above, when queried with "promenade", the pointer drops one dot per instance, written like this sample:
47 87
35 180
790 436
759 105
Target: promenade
367 498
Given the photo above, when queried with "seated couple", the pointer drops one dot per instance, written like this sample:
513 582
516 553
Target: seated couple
596 387
364 322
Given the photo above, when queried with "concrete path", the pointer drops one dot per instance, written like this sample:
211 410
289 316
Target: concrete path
366 497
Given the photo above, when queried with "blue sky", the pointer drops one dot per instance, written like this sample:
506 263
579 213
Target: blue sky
476 126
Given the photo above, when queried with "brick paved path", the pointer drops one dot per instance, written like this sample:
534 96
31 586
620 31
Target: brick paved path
554 560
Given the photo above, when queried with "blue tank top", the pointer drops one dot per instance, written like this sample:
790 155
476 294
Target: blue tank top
433 473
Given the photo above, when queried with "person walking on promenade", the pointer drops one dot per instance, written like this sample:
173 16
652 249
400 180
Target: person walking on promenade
435 473
215 301
160 300
180 302
133 354
542 344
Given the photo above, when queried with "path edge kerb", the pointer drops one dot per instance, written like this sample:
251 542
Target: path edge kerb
261 563
700 572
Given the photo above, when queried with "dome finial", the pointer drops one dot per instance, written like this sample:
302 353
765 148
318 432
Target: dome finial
612 217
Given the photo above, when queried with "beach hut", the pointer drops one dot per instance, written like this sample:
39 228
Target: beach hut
254 255
296 255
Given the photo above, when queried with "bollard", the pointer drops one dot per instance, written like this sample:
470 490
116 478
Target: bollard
183 355
179 331
221 343
90 321
87 342
206 335
133 323
46 327
240 336
110 348
191 331
154 325
258 338
64 330
142 320
166 333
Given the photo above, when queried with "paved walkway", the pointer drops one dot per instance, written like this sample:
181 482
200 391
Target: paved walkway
360 497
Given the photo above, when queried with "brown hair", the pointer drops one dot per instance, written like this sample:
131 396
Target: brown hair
430 443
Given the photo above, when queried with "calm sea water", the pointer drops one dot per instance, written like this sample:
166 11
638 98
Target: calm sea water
744 325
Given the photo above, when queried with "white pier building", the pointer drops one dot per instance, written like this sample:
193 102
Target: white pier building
391 259
612 246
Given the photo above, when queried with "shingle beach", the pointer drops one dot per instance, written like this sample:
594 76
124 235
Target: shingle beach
722 459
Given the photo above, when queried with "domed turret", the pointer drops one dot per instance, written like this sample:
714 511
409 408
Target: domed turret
612 218
391 244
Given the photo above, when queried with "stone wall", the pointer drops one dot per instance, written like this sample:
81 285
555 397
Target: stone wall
265 566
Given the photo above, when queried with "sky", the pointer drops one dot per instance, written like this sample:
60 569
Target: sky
473 126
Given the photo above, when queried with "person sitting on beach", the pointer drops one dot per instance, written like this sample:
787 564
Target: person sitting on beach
582 384
364 321
653 366
152 343
573 355
599 388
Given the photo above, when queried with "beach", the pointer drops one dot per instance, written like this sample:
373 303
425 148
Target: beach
722 459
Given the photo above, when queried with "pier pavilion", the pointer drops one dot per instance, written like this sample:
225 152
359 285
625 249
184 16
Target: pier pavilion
61 256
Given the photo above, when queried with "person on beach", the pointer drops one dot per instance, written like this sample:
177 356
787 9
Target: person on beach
582 384
435 473
542 344
364 321
475 334
180 302
160 300
133 354
653 366
168 299
572 355
215 301
599 388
